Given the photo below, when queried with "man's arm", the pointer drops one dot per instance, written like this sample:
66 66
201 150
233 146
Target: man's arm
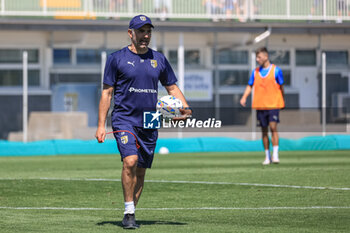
174 90
247 92
105 103
248 89
283 96
282 90
280 80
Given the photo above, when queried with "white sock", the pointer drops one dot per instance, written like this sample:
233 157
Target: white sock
267 155
275 153
129 207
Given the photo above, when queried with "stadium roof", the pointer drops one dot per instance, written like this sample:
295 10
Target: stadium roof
171 26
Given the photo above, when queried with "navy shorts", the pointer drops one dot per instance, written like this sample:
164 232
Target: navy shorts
266 116
132 140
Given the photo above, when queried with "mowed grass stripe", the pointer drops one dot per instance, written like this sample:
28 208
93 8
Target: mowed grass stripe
198 208
310 168
185 182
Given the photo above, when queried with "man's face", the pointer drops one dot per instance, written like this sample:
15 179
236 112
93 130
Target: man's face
141 37
261 58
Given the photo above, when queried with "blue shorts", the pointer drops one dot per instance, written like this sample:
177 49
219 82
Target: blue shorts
266 116
132 140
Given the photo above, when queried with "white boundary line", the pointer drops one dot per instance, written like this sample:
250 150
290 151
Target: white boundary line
187 182
195 208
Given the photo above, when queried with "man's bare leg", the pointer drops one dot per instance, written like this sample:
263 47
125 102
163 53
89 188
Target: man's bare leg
129 180
266 143
275 141
129 177
140 174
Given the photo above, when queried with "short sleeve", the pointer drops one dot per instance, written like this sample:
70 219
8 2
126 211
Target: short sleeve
167 75
251 79
279 76
110 71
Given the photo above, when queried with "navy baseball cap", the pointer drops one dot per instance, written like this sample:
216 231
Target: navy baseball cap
140 20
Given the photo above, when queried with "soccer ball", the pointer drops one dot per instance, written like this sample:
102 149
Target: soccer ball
163 150
169 106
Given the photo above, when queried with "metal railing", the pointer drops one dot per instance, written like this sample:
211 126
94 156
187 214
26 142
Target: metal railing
242 10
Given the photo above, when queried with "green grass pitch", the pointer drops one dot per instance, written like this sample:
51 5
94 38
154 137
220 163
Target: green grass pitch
61 193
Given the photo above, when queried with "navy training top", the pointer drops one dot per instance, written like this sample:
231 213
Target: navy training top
135 80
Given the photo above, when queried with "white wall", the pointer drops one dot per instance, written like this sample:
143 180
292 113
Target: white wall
27 40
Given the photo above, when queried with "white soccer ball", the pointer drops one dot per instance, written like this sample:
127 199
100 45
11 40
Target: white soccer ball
169 106
163 150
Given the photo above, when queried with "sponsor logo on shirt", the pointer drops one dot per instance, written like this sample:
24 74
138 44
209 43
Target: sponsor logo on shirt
138 90
154 63
131 63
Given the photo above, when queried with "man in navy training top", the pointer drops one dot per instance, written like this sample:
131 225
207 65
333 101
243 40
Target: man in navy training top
132 75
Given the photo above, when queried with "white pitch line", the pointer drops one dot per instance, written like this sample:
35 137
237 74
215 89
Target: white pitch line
187 182
194 208
248 184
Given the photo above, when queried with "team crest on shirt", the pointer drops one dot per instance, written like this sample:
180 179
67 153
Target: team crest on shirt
124 139
154 63
143 18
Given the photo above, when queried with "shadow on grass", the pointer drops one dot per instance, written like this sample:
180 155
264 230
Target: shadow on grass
119 223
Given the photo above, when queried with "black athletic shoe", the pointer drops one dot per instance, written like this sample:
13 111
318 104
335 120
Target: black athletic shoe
129 222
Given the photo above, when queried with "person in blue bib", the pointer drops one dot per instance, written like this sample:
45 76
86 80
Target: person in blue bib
132 75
